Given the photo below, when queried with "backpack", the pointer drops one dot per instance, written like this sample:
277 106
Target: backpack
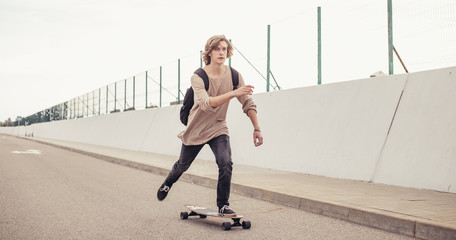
188 102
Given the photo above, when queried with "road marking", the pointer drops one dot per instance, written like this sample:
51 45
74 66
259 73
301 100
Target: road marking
31 151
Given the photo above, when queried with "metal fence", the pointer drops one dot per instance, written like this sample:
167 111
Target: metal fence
164 85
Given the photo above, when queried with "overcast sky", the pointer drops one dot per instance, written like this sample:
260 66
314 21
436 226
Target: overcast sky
54 50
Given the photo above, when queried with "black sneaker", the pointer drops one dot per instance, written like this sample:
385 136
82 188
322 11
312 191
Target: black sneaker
226 210
163 191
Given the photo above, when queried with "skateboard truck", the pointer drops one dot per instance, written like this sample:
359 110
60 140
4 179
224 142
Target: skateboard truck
204 212
244 224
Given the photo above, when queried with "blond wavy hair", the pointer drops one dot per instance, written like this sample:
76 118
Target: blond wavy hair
212 43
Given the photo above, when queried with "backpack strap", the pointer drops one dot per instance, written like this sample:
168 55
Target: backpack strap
202 74
235 78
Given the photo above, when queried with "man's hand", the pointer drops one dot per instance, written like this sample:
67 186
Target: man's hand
257 138
244 90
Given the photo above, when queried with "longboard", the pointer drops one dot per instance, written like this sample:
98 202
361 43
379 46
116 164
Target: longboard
203 212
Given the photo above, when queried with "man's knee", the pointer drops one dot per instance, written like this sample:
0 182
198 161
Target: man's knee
226 166
181 167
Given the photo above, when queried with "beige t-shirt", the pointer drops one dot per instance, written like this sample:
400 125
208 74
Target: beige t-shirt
204 121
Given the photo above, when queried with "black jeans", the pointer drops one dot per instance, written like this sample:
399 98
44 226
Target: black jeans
222 150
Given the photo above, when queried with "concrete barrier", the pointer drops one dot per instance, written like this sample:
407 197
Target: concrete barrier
421 148
398 130
150 130
335 130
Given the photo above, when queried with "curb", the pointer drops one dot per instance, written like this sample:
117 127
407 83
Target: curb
412 228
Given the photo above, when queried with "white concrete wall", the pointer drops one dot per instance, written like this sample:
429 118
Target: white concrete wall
334 130
150 130
337 130
421 148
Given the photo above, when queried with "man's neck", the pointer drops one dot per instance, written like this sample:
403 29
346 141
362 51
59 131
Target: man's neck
216 69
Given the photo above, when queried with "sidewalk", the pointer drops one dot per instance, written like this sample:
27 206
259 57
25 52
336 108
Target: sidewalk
418 213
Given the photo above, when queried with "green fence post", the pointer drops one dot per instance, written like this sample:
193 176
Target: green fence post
268 58
201 59
160 86
319 44
87 105
82 105
229 60
178 80
93 103
390 37
107 97
88 101
146 90
74 107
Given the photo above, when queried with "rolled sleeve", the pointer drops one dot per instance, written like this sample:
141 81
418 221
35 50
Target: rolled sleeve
247 100
248 105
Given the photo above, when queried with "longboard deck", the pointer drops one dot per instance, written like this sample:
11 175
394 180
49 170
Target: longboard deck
211 212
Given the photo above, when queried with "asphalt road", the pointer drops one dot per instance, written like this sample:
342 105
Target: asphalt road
50 193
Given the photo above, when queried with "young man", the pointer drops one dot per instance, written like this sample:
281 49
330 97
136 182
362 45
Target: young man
207 120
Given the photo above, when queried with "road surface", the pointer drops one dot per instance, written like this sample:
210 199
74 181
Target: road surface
51 193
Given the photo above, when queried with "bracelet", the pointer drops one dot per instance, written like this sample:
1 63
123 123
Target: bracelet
257 130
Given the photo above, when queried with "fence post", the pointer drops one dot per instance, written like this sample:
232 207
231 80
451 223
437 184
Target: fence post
134 92
268 58
87 104
160 86
390 37
319 44
93 103
99 101
229 60
74 107
125 95
201 59
115 96
178 80
146 90
107 98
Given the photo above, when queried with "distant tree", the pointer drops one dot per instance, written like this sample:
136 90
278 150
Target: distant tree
9 122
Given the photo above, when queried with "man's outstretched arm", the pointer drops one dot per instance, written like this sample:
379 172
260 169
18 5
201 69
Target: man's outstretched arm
220 100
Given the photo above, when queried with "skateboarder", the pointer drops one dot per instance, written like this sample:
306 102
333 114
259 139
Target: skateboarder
207 120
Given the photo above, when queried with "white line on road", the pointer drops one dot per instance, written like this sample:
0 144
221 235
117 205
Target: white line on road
30 151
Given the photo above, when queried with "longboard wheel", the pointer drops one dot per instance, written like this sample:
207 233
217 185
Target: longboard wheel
184 215
246 224
226 226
